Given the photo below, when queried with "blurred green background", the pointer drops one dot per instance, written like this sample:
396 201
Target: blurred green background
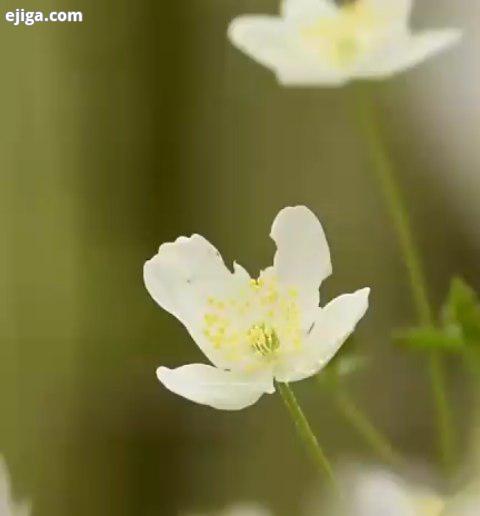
141 124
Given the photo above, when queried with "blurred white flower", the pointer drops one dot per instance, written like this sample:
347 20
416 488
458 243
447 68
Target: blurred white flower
317 42
252 330
241 509
7 506
378 492
381 493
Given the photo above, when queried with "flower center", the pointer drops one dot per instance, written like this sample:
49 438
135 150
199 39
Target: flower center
263 339
343 37
261 321
346 50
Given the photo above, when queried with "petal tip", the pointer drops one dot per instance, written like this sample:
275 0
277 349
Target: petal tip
303 254
162 373
298 210
456 35
365 292
447 38
237 29
363 295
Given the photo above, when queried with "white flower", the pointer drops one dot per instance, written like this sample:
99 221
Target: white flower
379 492
317 42
252 330
7 506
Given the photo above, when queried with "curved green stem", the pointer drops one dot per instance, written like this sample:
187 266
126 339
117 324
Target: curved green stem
378 442
385 174
305 432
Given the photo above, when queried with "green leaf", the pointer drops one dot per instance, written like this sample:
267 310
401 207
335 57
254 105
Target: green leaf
462 309
427 338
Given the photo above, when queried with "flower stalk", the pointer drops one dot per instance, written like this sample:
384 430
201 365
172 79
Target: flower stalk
306 434
385 174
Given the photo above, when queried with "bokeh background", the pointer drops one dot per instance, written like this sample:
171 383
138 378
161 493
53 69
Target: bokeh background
143 123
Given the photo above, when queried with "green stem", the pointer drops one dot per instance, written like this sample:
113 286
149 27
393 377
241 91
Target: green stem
305 432
366 429
444 416
385 174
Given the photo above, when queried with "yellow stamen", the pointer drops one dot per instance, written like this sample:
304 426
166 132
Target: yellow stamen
276 328
342 38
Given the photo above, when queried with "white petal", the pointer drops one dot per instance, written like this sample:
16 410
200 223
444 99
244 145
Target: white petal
303 257
7 506
380 493
269 41
298 11
332 326
211 386
409 52
307 72
241 272
182 276
397 11
263 38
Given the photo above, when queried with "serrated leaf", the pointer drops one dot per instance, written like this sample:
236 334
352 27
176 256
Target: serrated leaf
462 309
